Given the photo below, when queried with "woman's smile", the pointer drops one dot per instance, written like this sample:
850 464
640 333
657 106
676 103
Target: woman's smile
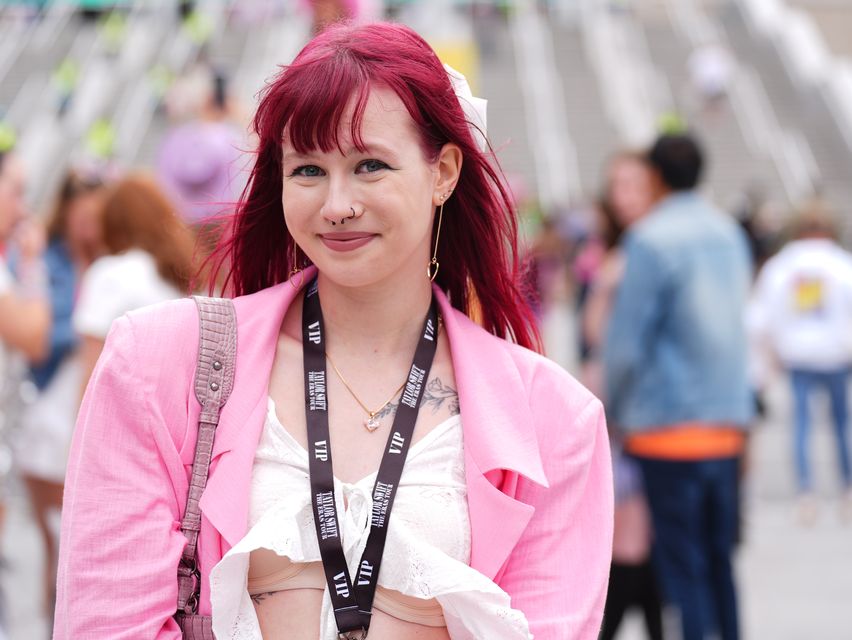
346 240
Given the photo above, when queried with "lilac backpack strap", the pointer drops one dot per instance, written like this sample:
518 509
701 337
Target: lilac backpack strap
214 380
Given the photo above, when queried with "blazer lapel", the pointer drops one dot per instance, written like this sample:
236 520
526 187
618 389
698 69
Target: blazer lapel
499 439
226 498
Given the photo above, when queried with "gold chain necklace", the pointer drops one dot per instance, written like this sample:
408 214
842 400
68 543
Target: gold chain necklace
371 423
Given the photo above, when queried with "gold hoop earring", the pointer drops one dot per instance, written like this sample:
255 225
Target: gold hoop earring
296 271
433 266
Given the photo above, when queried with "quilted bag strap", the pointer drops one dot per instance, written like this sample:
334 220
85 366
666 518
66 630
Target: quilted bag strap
214 380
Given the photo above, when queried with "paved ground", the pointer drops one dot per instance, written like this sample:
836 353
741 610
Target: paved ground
795 581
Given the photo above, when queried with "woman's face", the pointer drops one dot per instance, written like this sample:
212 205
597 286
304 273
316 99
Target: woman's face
12 191
631 189
364 218
83 224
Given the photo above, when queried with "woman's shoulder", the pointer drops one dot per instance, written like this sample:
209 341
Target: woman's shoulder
160 338
165 322
176 321
548 383
543 382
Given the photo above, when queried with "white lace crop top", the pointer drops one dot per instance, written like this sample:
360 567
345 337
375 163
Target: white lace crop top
424 576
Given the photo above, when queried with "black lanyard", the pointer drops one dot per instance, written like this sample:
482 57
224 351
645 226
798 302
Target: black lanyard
353 605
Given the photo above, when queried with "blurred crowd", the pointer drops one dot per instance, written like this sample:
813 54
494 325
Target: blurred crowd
687 314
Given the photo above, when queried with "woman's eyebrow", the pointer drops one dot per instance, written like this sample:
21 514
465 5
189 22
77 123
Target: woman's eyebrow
372 147
294 155
368 148
378 147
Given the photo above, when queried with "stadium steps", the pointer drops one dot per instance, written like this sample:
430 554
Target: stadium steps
586 113
733 165
799 108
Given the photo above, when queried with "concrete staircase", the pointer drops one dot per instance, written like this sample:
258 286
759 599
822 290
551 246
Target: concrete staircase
32 53
586 113
498 83
799 108
733 165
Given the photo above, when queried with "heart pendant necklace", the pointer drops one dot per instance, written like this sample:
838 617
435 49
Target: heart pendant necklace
371 422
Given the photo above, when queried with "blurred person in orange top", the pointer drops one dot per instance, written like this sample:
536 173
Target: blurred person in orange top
74 241
628 195
149 253
675 365
801 312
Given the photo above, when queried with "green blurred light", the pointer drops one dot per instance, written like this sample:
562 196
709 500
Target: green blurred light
66 75
161 78
7 137
671 123
198 27
100 139
113 29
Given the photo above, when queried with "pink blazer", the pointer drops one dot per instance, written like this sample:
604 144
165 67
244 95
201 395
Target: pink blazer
536 453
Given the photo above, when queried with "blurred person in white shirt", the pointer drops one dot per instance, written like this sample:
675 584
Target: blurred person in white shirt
801 314
149 260
711 69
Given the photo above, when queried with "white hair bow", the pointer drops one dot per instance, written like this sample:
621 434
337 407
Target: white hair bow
474 108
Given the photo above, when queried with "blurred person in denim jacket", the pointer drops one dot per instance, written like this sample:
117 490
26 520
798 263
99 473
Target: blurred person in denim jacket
801 313
47 422
675 367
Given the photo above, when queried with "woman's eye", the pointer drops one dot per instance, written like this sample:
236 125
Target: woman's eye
307 171
371 166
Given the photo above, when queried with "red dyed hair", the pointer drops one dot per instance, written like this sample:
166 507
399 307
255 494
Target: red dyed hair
478 247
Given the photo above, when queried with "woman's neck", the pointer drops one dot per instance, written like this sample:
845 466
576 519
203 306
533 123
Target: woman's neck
378 321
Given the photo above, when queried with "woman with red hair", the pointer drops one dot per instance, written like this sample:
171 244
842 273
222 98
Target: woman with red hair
383 464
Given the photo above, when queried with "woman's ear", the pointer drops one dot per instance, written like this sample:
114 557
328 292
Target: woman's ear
448 168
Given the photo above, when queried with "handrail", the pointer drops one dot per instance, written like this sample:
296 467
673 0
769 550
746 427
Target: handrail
805 56
554 152
624 73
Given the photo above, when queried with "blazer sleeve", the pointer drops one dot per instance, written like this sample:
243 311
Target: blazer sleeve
559 571
121 540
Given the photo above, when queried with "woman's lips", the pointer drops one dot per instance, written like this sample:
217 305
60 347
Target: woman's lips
346 241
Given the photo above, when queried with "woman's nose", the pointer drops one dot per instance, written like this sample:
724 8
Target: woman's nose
338 202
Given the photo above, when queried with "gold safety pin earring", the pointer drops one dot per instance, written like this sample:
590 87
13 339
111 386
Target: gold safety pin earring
434 265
